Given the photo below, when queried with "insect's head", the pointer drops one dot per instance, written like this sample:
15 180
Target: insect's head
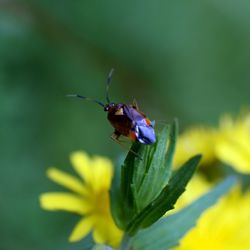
108 106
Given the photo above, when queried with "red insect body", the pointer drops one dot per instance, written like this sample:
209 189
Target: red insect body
130 122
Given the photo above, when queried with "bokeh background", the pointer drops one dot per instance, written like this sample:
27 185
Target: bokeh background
185 59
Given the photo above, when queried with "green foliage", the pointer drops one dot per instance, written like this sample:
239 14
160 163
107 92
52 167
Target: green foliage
144 193
167 232
166 53
244 179
167 198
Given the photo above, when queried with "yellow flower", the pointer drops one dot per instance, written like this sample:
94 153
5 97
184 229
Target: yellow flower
222 227
226 225
233 144
196 140
230 143
89 198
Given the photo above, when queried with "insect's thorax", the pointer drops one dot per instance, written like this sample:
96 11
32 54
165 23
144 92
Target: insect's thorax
119 120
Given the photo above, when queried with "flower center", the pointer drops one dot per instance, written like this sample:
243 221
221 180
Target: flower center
101 202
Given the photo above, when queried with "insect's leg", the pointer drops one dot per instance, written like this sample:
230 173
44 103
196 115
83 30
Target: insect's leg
115 137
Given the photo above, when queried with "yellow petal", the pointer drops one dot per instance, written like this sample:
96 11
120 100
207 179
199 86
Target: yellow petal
82 228
234 156
99 236
106 232
66 180
64 201
223 226
193 141
102 171
82 165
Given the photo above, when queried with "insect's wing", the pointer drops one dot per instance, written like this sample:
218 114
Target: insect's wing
145 134
142 126
133 114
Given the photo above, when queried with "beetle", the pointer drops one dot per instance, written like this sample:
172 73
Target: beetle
127 120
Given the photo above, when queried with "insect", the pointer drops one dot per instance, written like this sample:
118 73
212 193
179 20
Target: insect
126 119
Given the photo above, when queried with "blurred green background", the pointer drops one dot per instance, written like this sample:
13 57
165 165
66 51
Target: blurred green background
185 59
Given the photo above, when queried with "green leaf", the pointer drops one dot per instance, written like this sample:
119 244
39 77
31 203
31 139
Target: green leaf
166 199
171 148
167 232
141 190
157 174
117 209
127 173
244 179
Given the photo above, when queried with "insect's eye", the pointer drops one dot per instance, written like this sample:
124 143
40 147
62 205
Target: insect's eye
106 108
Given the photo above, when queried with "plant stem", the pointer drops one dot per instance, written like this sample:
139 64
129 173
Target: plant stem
125 244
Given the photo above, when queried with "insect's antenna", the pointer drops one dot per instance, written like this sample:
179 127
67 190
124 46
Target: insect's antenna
108 84
86 98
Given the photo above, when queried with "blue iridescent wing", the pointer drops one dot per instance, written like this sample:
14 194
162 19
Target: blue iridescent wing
133 114
143 130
